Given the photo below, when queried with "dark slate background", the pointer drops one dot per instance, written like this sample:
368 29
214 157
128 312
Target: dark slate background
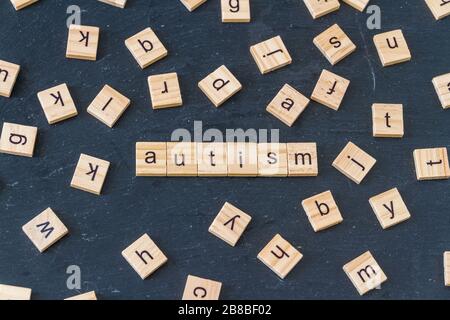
176 212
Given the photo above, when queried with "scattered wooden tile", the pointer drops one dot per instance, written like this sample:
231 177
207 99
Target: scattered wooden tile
116 3
387 120
191 5
212 159
230 224
165 90
45 229
242 159
446 268
270 55
322 211
182 159
108 106
14 293
151 159
439 8
18 139
389 208
82 42
354 163
365 273
359 5
146 47
442 86
201 289
334 44
57 103
84 296
302 159
319 8
144 256
272 160
431 164
20 4
8 75
330 89
90 174
392 47
220 85
287 105
235 10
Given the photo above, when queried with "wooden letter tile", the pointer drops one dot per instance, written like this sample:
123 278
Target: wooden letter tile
354 163
108 106
287 105
439 8
442 86
144 256
57 104
8 75
431 164
182 159
82 42
392 47
270 55
18 139
45 229
90 174
359 5
165 91
146 47
302 159
14 293
191 5
334 44
319 8
446 268
201 289
116 3
230 224
212 159
330 90
322 211
272 160
242 159
387 120
235 10
365 273
389 208
84 296
20 4
151 159
220 85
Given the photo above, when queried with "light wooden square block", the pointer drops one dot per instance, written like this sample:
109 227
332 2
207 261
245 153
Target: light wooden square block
359 5
220 85
165 90
287 105
365 273
8 76
392 47
57 103
322 211
18 139
201 289
354 163
431 164
242 159
280 256
90 174
191 5
319 8
20 4
439 8
389 208
144 256
230 224
108 106
146 48
330 90
182 159
115 3
14 293
442 86
387 120
45 229
446 268
270 55
235 10
302 159
82 42
334 44
151 159
84 296
272 160
212 159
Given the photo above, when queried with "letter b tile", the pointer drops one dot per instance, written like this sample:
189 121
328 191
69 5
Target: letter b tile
322 211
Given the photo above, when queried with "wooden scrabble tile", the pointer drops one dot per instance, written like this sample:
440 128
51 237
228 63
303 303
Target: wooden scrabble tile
302 159
182 159
20 4
18 139
389 208
220 85
82 42
280 256
165 90
151 159
354 163
57 104
84 296
322 211
108 106
191 5
365 273
387 120
334 44
235 10
330 90
287 105
319 8
442 86
8 75
242 159
45 229
272 160
146 47
392 47
270 55
201 289
446 268
229 224
359 5
144 256
431 164
90 174
439 8
212 159
14 293
116 3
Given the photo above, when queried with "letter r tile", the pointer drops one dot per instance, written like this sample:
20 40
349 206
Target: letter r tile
220 85
322 211
90 174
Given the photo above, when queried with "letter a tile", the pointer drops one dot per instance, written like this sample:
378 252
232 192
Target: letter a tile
18 139
151 159
82 42
322 211
220 86
354 163
201 289
146 48
270 55
57 104
90 174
